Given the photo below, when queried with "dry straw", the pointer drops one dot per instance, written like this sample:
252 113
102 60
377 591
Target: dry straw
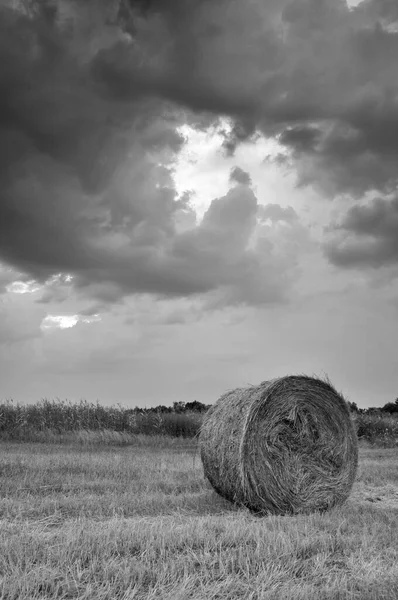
286 446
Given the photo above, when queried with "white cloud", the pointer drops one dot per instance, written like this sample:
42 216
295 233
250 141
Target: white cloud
66 321
23 287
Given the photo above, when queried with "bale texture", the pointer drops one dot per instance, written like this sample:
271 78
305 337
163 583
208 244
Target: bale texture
286 446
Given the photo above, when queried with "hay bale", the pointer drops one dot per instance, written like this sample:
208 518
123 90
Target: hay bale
286 446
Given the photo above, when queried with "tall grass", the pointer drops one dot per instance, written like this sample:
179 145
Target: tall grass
377 428
57 420
57 417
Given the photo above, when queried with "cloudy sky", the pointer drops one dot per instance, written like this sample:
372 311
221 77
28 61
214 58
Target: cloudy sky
197 195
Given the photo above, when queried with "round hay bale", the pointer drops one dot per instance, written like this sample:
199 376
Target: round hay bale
286 446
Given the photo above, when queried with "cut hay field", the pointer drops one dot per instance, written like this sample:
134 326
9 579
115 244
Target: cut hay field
95 522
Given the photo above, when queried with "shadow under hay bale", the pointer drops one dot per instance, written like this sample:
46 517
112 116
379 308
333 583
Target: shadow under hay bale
286 446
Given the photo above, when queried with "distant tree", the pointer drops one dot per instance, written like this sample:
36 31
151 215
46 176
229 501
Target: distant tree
353 407
196 406
391 407
373 411
163 409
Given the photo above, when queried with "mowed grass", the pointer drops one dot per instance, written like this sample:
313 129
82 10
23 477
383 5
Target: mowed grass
90 521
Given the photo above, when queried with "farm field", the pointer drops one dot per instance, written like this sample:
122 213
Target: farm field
91 521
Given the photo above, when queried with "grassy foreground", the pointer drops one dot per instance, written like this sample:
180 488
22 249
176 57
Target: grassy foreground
98 522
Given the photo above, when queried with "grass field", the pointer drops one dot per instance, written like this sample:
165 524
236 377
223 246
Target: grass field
97 521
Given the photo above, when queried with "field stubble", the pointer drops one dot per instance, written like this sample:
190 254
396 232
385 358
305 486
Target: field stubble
97 521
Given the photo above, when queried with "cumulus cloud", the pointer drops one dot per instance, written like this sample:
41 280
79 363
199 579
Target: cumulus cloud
230 253
367 236
93 95
238 175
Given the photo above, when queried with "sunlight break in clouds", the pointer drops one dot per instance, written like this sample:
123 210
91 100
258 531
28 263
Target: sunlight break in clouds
23 287
203 165
66 321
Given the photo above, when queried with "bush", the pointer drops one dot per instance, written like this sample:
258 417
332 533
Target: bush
377 428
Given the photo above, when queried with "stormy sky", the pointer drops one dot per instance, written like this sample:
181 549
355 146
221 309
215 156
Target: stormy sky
197 195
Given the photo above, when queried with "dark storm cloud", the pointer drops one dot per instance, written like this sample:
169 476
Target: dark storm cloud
68 192
350 144
315 74
367 236
300 138
91 97
242 131
384 10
